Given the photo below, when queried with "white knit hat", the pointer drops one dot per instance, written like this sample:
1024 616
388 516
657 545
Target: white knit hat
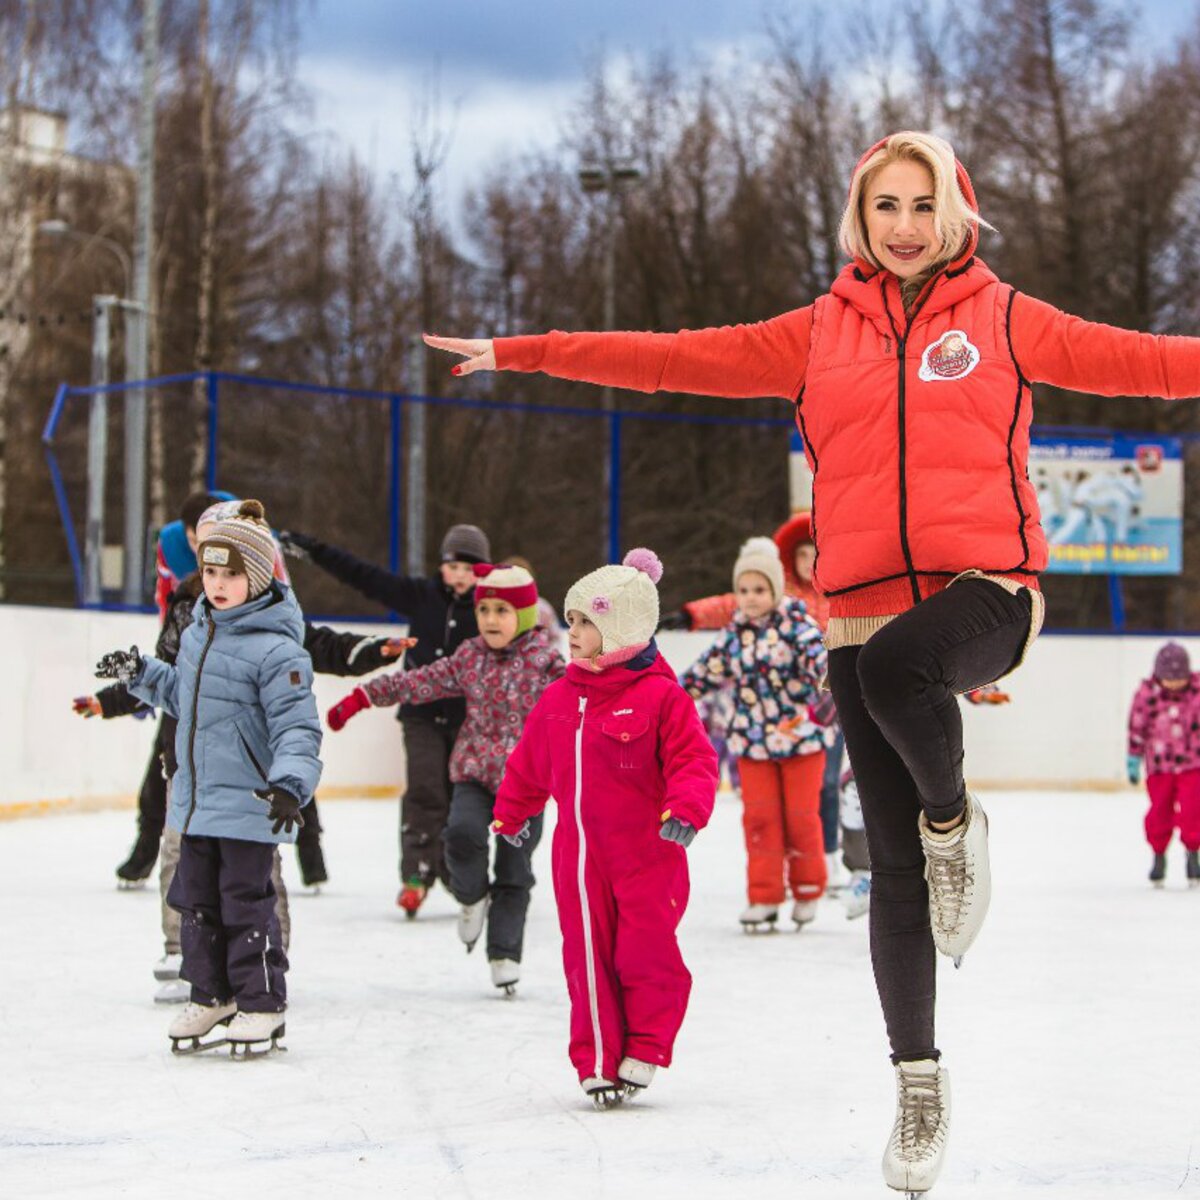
762 555
621 601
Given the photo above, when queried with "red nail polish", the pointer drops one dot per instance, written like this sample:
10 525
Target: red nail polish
456 370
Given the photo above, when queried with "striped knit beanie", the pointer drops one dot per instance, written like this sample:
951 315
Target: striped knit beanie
242 541
513 585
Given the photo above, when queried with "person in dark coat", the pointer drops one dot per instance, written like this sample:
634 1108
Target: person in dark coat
441 616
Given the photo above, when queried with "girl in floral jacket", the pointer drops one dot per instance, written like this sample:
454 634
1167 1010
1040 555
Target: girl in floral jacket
502 674
1164 732
773 654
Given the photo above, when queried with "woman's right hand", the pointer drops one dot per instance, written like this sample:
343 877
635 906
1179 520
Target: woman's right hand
478 352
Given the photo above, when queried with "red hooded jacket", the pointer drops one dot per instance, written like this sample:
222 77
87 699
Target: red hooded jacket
916 425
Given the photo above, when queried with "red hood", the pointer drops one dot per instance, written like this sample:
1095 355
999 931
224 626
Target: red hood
968 191
796 529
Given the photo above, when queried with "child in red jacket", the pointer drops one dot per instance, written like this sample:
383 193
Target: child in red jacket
618 743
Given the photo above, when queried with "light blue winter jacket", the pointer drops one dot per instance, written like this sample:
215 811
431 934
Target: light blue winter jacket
242 690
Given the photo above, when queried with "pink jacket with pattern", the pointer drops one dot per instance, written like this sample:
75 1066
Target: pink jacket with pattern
500 686
1164 726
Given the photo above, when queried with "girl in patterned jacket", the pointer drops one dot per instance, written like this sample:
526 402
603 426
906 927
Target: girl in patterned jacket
501 674
1164 732
773 653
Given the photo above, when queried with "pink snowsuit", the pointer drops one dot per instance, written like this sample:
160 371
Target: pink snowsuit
1164 728
616 749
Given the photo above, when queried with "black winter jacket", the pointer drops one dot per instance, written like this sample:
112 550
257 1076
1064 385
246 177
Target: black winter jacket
439 619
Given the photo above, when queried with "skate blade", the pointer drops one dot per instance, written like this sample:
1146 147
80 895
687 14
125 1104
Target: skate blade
508 990
131 885
259 1049
607 1098
759 927
313 889
182 1051
957 960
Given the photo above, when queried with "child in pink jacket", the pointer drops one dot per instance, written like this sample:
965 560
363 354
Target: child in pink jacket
618 744
502 673
1164 730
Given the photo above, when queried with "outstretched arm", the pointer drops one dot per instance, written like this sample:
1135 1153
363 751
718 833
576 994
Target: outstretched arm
1054 347
768 358
525 787
689 763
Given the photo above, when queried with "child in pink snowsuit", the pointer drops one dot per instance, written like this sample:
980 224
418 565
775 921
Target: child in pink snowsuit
1164 730
618 744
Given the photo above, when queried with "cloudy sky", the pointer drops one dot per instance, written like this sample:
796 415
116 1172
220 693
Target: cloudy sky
508 73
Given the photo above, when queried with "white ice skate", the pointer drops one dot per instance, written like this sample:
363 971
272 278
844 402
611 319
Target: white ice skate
471 919
835 876
804 912
960 879
759 918
603 1093
634 1076
173 991
195 1023
506 973
913 1158
168 967
254 1033
856 896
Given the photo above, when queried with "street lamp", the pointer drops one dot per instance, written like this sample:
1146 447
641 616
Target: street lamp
610 177
97 463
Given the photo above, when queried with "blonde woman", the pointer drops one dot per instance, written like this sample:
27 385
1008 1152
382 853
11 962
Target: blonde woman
912 384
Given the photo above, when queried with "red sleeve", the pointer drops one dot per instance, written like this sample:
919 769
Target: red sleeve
421 685
1053 347
689 763
711 612
525 787
765 359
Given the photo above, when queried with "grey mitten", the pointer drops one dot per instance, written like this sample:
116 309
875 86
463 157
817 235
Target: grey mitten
296 545
123 665
675 830
516 840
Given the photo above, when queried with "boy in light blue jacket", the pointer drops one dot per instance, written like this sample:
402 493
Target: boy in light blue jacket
248 745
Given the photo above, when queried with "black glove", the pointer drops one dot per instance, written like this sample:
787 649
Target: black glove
675 830
675 620
298 545
123 665
285 808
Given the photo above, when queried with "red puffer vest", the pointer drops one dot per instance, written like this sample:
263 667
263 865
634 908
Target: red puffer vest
917 433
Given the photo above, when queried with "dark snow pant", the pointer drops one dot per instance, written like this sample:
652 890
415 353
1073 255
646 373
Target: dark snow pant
897 701
428 744
152 796
831 793
232 946
466 856
310 832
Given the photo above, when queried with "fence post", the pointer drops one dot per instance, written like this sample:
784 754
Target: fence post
396 433
213 382
97 450
1116 602
415 540
613 466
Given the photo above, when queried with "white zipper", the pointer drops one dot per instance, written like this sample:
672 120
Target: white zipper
589 954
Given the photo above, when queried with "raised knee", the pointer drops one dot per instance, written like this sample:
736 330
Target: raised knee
889 668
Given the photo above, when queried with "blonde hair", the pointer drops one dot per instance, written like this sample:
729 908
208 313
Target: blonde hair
953 217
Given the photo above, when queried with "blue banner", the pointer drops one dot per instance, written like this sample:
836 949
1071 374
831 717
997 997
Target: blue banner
1110 506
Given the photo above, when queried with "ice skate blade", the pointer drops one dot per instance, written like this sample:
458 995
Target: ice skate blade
957 960
313 889
131 885
259 1049
197 1045
607 1098
757 927
410 914
508 991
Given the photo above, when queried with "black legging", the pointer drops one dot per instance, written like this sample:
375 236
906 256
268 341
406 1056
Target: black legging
897 700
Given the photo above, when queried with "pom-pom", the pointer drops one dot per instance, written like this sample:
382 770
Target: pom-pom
601 604
645 561
252 509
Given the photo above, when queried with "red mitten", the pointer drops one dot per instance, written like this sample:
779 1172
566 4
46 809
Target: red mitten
345 708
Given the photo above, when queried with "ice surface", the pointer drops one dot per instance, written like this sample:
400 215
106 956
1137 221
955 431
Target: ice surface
1071 1036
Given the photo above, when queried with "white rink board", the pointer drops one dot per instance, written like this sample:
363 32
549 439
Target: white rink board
1065 727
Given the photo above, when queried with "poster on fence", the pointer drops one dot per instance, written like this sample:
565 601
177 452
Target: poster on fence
1110 506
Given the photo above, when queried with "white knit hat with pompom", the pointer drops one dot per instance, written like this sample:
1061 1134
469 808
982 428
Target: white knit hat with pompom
621 601
762 555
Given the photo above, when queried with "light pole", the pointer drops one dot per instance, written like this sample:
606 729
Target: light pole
97 458
609 177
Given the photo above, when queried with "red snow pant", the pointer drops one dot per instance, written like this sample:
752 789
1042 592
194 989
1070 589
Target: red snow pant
1174 800
781 816
626 978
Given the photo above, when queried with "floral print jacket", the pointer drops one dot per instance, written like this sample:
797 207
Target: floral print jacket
775 665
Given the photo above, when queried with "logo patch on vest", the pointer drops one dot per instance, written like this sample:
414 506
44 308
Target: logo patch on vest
951 357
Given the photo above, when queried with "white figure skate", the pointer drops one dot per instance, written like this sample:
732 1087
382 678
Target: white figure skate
506 974
959 875
634 1076
760 918
188 1031
603 1093
471 920
913 1158
252 1034
856 896
804 912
